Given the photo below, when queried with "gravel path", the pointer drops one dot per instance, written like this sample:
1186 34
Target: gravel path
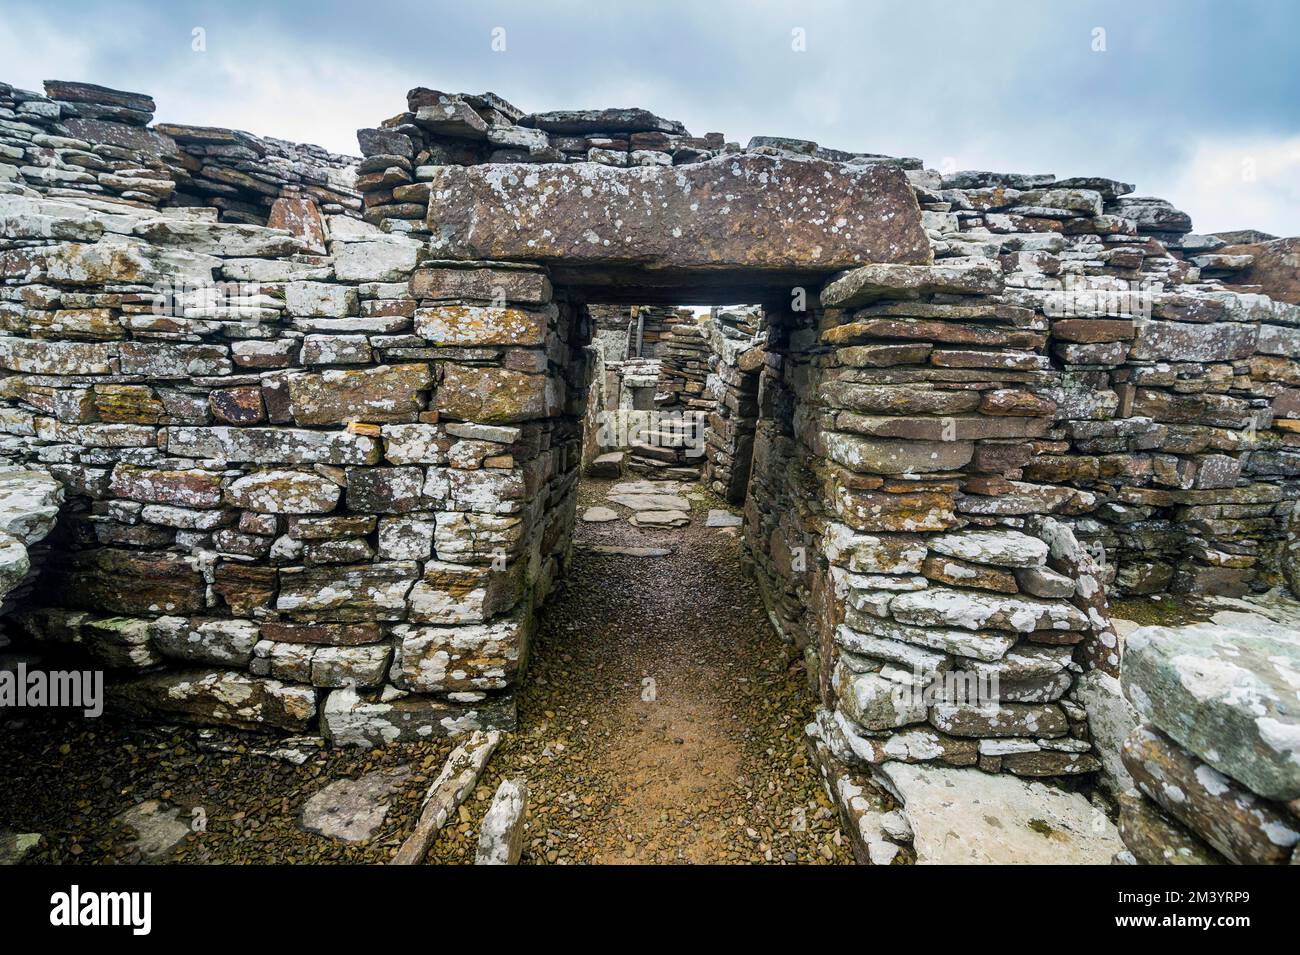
711 767
661 721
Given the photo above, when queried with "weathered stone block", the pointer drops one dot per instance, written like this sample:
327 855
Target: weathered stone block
284 492
467 657
471 326
493 395
416 443
185 488
361 667
1183 341
942 607
125 582
350 720
196 640
216 697
694 216
999 720
494 285
347 593
880 456
458 593
386 490
320 299
272 445
884 279
875 703
1225 693
1236 822
383 393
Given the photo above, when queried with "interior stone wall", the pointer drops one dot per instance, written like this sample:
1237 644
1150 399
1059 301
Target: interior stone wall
736 356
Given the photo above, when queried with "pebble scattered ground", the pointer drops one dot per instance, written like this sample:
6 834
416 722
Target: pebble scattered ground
661 722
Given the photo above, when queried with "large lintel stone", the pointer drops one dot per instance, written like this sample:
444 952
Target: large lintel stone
740 212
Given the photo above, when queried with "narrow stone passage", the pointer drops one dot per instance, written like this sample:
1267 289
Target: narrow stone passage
662 718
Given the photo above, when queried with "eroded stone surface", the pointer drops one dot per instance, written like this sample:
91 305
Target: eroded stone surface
1228 695
352 809
963 816
696 216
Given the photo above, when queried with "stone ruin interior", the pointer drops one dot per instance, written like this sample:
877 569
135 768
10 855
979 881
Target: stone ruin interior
294 444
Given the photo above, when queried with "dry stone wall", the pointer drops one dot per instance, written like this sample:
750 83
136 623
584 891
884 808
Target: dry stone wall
736 357
321 474
1174 392
85 140
314 484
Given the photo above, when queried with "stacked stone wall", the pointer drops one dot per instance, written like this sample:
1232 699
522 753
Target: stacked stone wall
1174 392
736 357
321 475
82 140
328 495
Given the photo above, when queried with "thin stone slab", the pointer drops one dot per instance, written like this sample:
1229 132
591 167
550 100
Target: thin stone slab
965 816
652 502
1227 694
501 840
352 809
648 487
720 518
599 515
665 518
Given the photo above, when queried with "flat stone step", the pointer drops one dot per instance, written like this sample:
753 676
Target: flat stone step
965 816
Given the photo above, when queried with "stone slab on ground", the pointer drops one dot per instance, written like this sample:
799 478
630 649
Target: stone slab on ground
599 515
965 816
657 518
158 828
352 809
648 487
1228 694
501 840
720 518
652 502
14 846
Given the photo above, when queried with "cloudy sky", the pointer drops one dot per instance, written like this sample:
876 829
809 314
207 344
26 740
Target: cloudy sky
1193 100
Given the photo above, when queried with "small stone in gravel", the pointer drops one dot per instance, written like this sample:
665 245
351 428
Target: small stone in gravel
351 809
599 515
